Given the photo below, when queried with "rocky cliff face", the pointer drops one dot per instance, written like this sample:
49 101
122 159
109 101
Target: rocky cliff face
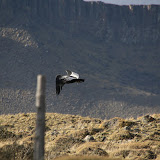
126 24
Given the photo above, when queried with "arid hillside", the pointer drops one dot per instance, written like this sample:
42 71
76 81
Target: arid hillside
114 48
73 135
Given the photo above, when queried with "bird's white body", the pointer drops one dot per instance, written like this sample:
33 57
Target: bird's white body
70 75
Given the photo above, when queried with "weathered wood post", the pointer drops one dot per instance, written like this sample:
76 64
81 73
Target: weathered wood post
40 122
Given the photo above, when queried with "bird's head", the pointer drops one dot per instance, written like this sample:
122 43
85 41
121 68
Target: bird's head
58 76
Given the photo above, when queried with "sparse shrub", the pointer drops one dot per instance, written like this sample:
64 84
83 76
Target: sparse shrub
80 133
122 153
121 135
147 119
93 131
15 151
153 136
5 134
108 124
92 150
125 123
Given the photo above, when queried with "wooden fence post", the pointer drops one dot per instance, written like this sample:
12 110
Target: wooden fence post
40 122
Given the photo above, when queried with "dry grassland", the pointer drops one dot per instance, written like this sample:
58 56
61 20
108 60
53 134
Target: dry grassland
72 137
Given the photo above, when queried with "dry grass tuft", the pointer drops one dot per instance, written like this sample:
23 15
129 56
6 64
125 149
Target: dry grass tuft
125 123
121 135
15 151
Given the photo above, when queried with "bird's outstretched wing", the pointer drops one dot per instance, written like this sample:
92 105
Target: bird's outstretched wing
58 89
72 74
75 80
59 84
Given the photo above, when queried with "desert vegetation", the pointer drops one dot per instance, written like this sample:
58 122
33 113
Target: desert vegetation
70 137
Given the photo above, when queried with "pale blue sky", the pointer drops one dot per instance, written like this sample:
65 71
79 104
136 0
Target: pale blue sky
127 2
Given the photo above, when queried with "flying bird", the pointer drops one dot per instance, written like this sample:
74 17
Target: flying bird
71 77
